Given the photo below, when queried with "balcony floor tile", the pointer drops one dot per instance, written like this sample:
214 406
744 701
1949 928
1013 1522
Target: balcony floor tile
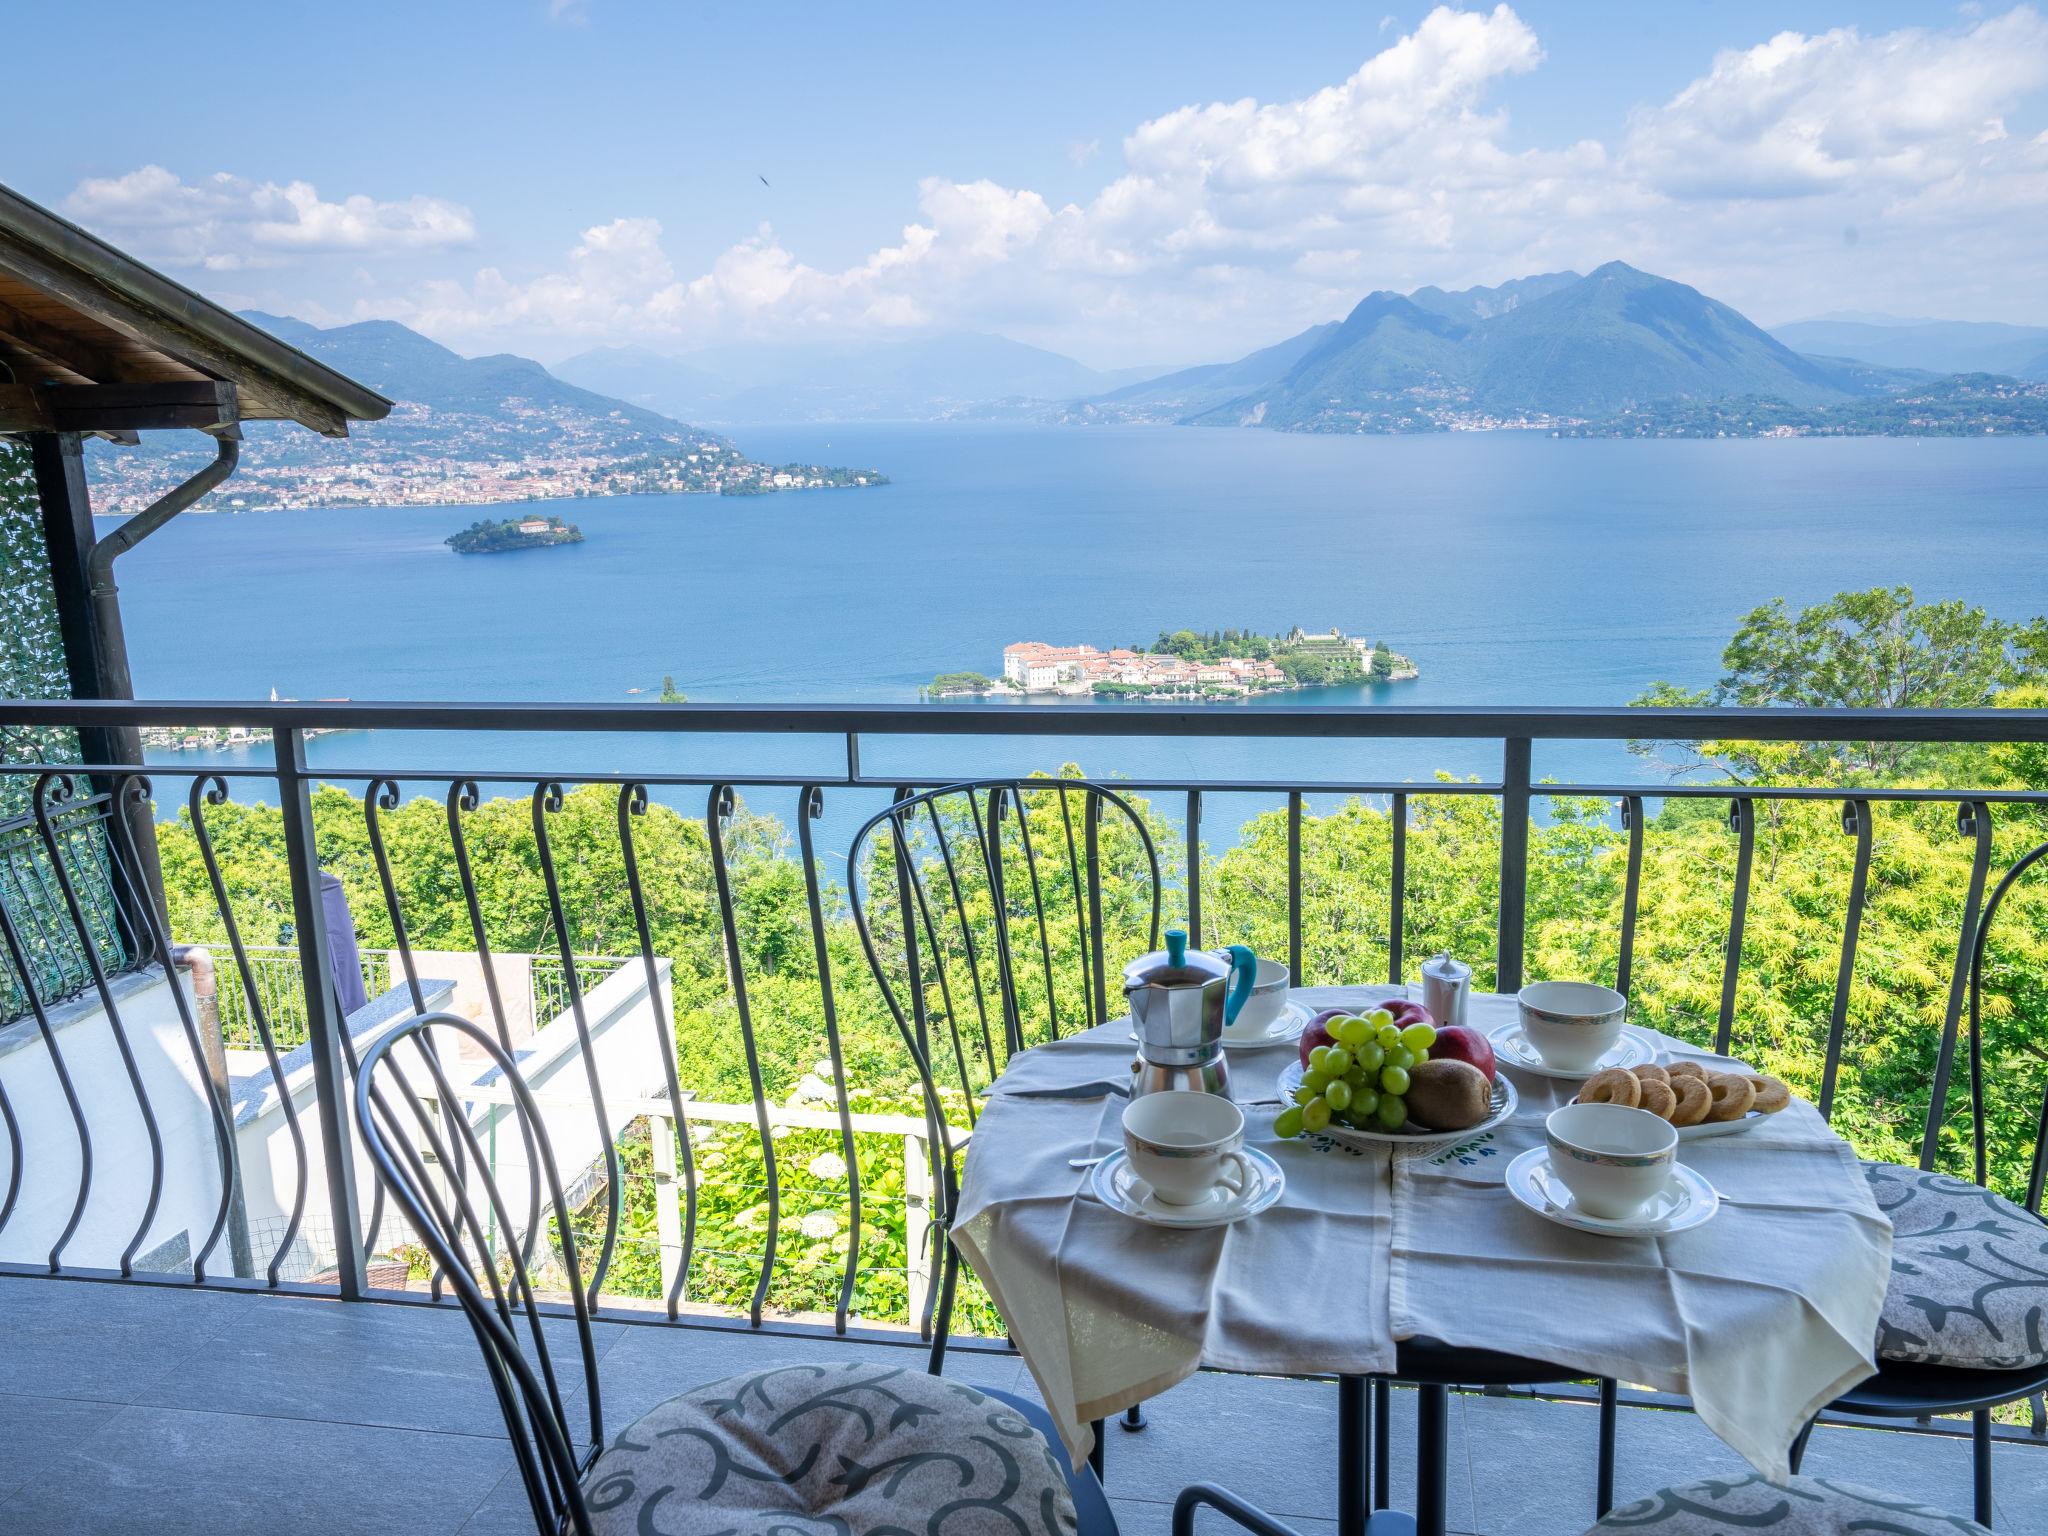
36 1431
105 1342
177 1473
394 1366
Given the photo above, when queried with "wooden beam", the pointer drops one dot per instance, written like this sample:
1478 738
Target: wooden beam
208 405
160 330
59 346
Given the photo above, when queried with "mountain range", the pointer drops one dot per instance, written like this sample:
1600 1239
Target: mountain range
1940 346
1559 350
463 430
1613 350
925 378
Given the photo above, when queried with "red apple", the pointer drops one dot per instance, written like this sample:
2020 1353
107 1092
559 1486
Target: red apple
1460 1042
1317 1032
1406 1012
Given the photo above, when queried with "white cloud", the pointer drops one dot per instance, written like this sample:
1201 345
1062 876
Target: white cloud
224 223
1804 116
1231 223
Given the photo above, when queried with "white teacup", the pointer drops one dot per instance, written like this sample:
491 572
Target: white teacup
1613 1159
1572 1024
1186 1145
1262 1010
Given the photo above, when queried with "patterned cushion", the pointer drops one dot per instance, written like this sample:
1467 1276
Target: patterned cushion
1804 1506
840 1448
1969 1284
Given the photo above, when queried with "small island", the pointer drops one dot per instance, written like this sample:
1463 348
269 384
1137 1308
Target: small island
490 538
1223 664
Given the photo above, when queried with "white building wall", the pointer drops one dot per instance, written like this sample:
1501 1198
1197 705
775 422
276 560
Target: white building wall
120 1182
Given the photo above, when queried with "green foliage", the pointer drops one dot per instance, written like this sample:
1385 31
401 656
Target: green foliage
1878 649
31 644
962 682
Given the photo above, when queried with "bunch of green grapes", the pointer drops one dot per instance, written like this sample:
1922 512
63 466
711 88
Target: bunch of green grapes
1361 1079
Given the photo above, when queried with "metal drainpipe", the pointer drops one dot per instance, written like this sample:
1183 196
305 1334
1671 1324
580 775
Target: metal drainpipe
115 679
198 960
99 565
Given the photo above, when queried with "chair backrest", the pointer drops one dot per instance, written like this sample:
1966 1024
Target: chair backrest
418 1132
1981 1110
999 914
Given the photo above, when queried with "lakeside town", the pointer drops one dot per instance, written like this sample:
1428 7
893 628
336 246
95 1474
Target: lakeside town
1186 665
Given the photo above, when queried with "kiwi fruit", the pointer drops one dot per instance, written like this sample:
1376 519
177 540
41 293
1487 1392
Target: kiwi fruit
1448 1095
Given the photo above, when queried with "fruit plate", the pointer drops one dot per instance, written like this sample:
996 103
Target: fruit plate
1504 1100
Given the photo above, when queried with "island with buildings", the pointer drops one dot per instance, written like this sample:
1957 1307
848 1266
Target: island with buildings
490 537
1221 664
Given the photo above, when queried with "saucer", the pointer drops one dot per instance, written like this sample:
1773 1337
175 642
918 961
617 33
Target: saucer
1117 1187
1684 1203
1513 1048
1285 1029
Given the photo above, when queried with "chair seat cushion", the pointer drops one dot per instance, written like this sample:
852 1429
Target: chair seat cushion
1969 1283
1802 1506
838 1448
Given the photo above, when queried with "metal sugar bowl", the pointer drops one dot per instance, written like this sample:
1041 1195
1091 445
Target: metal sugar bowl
1180 1000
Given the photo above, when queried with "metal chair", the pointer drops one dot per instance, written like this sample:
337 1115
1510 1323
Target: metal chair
994 915
1915 1376
984 941
846 1443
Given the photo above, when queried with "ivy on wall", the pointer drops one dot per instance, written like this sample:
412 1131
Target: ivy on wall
31 644
32 666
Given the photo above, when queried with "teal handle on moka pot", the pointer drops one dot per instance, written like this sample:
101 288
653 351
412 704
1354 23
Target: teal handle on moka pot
1181 1001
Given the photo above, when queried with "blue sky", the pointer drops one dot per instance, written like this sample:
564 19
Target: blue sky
1136 183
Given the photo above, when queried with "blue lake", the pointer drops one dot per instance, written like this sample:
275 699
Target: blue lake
1516 569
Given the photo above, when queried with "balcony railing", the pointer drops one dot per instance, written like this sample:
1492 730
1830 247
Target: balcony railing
760 1169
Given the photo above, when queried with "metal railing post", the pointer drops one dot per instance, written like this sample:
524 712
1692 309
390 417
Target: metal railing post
1514 862
324 1021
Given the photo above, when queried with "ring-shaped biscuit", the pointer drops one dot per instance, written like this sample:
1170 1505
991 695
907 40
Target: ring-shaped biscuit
1679 1069
1694 1100
1616 1085
1772 1094
1657 1097
1650 1072
1732 1096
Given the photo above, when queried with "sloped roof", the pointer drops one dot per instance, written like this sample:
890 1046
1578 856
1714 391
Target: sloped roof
92 339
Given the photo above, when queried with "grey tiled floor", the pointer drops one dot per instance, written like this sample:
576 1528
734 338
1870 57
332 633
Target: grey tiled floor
130 1409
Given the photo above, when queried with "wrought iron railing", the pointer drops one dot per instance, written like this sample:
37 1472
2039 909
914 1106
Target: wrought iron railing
671 869
275 990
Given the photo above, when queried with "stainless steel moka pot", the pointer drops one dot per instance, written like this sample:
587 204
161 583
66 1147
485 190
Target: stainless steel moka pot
1180 999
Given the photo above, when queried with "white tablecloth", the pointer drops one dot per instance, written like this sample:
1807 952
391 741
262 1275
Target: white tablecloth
1761 1316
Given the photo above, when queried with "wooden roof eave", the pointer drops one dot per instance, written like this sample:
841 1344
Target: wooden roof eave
110 320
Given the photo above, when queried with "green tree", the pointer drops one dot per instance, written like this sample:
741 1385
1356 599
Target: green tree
1878 649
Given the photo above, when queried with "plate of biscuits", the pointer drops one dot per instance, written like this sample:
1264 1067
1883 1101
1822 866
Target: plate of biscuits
1698 1101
